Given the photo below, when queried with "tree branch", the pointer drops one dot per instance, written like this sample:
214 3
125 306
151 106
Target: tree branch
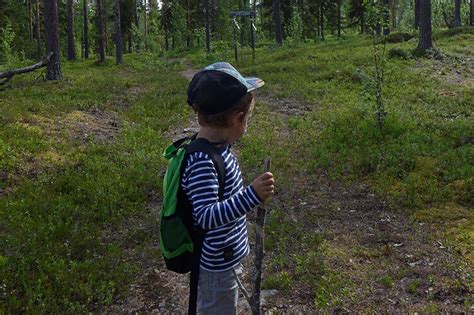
6 76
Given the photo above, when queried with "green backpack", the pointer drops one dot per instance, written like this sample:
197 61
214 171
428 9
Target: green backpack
180 243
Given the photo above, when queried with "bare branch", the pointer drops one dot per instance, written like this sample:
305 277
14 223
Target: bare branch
10 73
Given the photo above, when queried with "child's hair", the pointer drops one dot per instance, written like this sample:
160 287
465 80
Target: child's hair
222 119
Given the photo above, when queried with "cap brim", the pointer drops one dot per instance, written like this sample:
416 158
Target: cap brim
253 83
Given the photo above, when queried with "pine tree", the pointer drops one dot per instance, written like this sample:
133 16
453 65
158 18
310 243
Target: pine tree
457 13
71 49
86 30
277 21
101 30
425 33
118 34
51 24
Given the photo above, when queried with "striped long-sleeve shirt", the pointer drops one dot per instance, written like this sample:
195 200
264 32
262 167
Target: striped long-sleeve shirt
226 240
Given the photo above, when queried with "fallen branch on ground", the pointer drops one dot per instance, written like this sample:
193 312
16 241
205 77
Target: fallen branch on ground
6 76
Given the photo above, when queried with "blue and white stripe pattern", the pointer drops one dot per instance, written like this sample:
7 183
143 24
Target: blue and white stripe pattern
226 240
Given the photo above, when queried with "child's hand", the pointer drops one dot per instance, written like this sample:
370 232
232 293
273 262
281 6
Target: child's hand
264 185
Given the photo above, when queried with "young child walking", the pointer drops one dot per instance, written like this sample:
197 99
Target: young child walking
223 100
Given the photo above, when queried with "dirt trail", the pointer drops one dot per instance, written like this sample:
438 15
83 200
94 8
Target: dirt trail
391 263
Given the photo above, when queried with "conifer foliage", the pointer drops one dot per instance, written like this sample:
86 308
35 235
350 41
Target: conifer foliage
112 27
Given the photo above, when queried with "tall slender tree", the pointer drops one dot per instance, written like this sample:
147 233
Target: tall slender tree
277 22
417 14
30 27
425 32
339 13
118 34
321 20
71 49
394 13
101 30
471 13
53 70
145 17
86 30
357 13
208 35
457 13
386 17
38 31
137 26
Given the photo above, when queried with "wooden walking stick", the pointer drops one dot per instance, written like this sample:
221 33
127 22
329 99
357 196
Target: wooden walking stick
259 238
254 299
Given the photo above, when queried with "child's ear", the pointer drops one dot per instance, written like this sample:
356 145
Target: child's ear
237 118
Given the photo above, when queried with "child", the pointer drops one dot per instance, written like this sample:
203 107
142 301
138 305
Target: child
224 101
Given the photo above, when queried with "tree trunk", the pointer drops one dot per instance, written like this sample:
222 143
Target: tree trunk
6 76
277 21
417 14
51 32
471 13
188 24
394 14
104 21
30 28
457 13
339 18
145 19
425 39
138 27
71 49
118 35
206 8
321 19
386 17
86 31
38 31
167 45
100 30
362 17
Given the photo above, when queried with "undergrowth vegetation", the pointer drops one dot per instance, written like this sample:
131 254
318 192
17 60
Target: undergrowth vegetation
421 160
62 186
64 189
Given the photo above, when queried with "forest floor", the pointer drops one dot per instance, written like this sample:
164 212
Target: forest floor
364 219
383 261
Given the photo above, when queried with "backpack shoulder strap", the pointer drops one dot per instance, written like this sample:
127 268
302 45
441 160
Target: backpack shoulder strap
203 145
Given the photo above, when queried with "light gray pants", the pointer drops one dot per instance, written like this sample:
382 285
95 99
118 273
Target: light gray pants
218 292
